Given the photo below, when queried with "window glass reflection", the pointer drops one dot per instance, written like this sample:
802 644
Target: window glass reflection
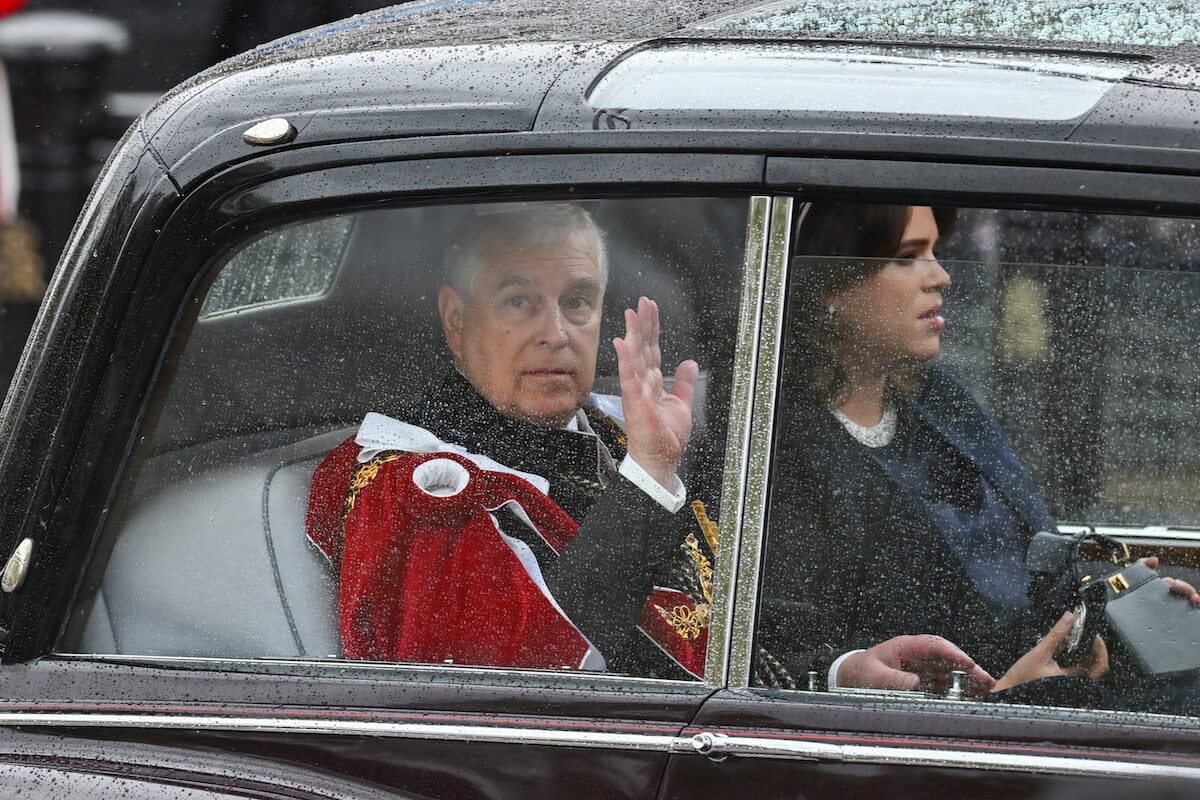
287 264
442 458
954 383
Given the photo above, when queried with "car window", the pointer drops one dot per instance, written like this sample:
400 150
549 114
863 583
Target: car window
429 460
1163 24
803 77
289 263
955 382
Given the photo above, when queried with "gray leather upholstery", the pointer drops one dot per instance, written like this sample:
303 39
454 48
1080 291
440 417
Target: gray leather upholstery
215 562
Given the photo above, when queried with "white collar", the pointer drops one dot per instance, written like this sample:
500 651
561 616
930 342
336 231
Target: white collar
379 432
878 435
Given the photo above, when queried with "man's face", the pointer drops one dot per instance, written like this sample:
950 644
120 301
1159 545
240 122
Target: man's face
527 337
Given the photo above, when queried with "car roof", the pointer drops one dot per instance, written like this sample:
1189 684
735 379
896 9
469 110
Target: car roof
503 66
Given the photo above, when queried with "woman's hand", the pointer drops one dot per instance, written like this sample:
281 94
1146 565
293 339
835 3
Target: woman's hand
1039 662
1181 588
912 663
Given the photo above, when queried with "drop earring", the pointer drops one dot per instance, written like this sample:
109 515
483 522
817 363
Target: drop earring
829 311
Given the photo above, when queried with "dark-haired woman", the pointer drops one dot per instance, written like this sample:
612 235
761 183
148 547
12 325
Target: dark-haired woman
900 514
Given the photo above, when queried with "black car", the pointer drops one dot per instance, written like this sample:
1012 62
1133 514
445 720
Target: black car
259 266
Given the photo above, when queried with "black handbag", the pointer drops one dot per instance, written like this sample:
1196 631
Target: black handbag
1131 606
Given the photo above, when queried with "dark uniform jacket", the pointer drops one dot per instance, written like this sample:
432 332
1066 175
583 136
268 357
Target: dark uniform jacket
627 542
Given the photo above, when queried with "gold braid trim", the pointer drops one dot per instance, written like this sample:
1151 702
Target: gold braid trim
359 479
688 622
707 526
622 439
703 566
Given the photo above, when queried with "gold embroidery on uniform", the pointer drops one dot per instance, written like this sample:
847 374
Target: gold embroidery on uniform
686 621
622 439
707 526
359 479
703 567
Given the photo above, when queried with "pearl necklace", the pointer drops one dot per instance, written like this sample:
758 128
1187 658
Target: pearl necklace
878 435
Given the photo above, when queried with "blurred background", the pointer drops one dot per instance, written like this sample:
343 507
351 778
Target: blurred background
76 73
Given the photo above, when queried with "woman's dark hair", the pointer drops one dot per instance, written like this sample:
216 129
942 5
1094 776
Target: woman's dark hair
834 246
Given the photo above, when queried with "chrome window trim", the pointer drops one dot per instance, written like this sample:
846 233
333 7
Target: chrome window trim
737 444
718 746
392 670
341 727
762 420
1133 533
713 745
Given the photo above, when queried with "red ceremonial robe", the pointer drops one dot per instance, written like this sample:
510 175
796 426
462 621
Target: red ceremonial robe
427 576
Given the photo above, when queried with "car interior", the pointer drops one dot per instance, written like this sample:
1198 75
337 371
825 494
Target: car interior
1060 325
205 554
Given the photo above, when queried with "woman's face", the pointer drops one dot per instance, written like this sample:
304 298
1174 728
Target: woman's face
895 315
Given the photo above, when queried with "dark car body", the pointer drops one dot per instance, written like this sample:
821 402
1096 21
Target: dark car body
445 103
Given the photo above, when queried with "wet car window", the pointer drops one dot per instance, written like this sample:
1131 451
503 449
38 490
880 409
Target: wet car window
960 83
291 263
429 461
1158 24
935 415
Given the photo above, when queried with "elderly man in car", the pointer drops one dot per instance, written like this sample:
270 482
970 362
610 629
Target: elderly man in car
518 518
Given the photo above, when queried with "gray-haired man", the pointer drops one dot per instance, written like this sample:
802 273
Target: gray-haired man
521 312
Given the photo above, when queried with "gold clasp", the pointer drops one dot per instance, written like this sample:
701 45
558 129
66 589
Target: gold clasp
686 622
1118 583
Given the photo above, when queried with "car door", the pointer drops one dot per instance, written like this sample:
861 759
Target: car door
1071 320
230 339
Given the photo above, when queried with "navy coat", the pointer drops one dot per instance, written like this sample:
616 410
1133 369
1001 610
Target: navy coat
853 558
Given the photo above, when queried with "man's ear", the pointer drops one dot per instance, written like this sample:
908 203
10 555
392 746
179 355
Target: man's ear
450 309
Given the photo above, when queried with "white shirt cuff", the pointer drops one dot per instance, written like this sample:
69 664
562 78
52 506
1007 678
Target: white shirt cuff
831 679
671 499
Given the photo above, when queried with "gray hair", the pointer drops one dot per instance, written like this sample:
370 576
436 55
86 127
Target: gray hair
526 224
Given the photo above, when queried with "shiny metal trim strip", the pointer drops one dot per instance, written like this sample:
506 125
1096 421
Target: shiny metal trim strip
387 730
762 421
391 670
718 746
1131 533
737 444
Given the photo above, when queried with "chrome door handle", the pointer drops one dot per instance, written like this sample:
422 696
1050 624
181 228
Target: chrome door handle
711 745
719 746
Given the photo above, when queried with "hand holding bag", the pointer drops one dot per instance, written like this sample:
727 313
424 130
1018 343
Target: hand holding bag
1132 606
1158 628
